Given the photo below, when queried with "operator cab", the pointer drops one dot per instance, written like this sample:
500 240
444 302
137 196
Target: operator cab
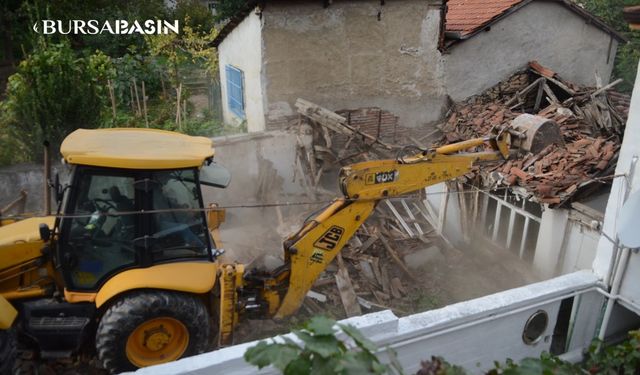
133 208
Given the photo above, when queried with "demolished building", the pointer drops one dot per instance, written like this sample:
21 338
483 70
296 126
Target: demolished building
545 206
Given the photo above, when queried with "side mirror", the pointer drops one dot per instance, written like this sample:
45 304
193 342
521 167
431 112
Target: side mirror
57 188
215 175
45 232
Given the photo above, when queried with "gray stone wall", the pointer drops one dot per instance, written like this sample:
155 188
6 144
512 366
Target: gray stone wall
544 31
30 178
354 54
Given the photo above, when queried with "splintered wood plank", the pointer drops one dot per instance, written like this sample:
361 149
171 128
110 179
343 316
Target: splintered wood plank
411 216
345 288
386 283
403 223
367 244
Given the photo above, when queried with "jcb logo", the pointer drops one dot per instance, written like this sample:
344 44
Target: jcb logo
330 238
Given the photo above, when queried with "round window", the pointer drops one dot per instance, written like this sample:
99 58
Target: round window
534 327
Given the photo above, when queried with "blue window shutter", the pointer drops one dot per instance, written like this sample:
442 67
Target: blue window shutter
235 90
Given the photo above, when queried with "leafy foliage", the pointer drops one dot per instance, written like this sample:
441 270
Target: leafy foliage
628 54
53 93
619 359
321 352
194 15
438 366
228 8
190 46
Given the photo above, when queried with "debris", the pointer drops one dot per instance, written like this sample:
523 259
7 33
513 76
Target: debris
317 296
591 123
333 121
345 287
417 259
397 259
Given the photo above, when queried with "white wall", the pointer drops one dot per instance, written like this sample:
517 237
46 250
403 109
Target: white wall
242 48
472 334
629 290
553 226
630 147
542 30
579 249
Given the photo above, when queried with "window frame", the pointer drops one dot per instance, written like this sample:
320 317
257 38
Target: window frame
142 201
236 105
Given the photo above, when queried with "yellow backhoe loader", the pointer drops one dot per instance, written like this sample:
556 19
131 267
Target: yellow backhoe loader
127 267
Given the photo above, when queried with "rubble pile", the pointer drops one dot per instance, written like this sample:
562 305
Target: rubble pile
591 123
383 265
379 267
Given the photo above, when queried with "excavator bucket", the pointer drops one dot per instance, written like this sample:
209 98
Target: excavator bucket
533 133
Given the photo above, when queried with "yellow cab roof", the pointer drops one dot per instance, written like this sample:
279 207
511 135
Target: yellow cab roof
135 148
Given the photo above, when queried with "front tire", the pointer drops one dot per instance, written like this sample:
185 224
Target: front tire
150 327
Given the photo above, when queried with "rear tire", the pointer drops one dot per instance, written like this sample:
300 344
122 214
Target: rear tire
8 351
150 327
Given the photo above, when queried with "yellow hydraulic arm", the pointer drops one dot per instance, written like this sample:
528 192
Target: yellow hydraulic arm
309 251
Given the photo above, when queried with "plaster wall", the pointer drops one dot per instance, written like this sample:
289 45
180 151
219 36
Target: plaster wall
542 30
353 54
242 49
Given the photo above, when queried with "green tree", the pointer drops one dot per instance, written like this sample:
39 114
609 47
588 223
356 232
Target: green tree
53 93
194 14
628 54
229 8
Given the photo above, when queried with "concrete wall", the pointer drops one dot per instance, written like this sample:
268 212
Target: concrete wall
262 167
28 177
354 54
542 30
243 50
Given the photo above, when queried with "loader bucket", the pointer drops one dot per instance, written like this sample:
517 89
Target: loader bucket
534 133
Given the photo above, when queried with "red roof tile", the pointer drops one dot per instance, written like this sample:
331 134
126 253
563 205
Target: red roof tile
466 16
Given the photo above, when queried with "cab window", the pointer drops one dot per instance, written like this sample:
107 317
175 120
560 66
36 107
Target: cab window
179 226
100 237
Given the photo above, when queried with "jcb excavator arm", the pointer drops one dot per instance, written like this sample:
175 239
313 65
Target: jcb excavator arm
309 251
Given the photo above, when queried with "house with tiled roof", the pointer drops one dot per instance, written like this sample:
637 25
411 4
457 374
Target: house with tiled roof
487 40
403 56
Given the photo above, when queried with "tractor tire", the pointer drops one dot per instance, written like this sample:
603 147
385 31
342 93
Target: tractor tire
8 351
150 327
